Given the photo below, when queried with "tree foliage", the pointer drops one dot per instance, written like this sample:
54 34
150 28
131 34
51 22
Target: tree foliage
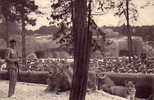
6 9
62 13
119 9
13 9
23 8
7 15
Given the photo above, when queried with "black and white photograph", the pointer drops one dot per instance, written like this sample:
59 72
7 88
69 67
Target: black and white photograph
76 49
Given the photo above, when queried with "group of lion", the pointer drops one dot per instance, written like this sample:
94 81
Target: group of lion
59 79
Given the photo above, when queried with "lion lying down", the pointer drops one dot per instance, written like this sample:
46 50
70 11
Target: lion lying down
127 91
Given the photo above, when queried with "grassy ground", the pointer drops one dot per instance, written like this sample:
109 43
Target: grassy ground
29 91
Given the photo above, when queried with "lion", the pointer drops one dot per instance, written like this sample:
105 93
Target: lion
126 91
60 80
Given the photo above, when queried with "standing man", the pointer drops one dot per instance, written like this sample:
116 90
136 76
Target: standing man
12 61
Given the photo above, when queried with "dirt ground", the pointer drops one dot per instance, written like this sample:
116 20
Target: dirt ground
30 91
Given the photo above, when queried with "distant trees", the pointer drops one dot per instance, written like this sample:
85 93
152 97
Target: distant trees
145 31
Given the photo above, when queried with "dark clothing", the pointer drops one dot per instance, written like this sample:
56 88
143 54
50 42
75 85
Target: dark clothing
12 60
12 82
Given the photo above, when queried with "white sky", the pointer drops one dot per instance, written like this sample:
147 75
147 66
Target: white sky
146 15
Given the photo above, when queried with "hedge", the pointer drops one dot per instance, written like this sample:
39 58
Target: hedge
31 77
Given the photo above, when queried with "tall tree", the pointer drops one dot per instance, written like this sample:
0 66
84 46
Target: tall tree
125 9
130 47
82 44
128 9
7 15
22 9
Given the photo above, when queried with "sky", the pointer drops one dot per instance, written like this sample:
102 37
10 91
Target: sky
146 15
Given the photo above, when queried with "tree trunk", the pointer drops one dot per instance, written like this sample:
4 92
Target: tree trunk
82 43
130 49
7 32
23 38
